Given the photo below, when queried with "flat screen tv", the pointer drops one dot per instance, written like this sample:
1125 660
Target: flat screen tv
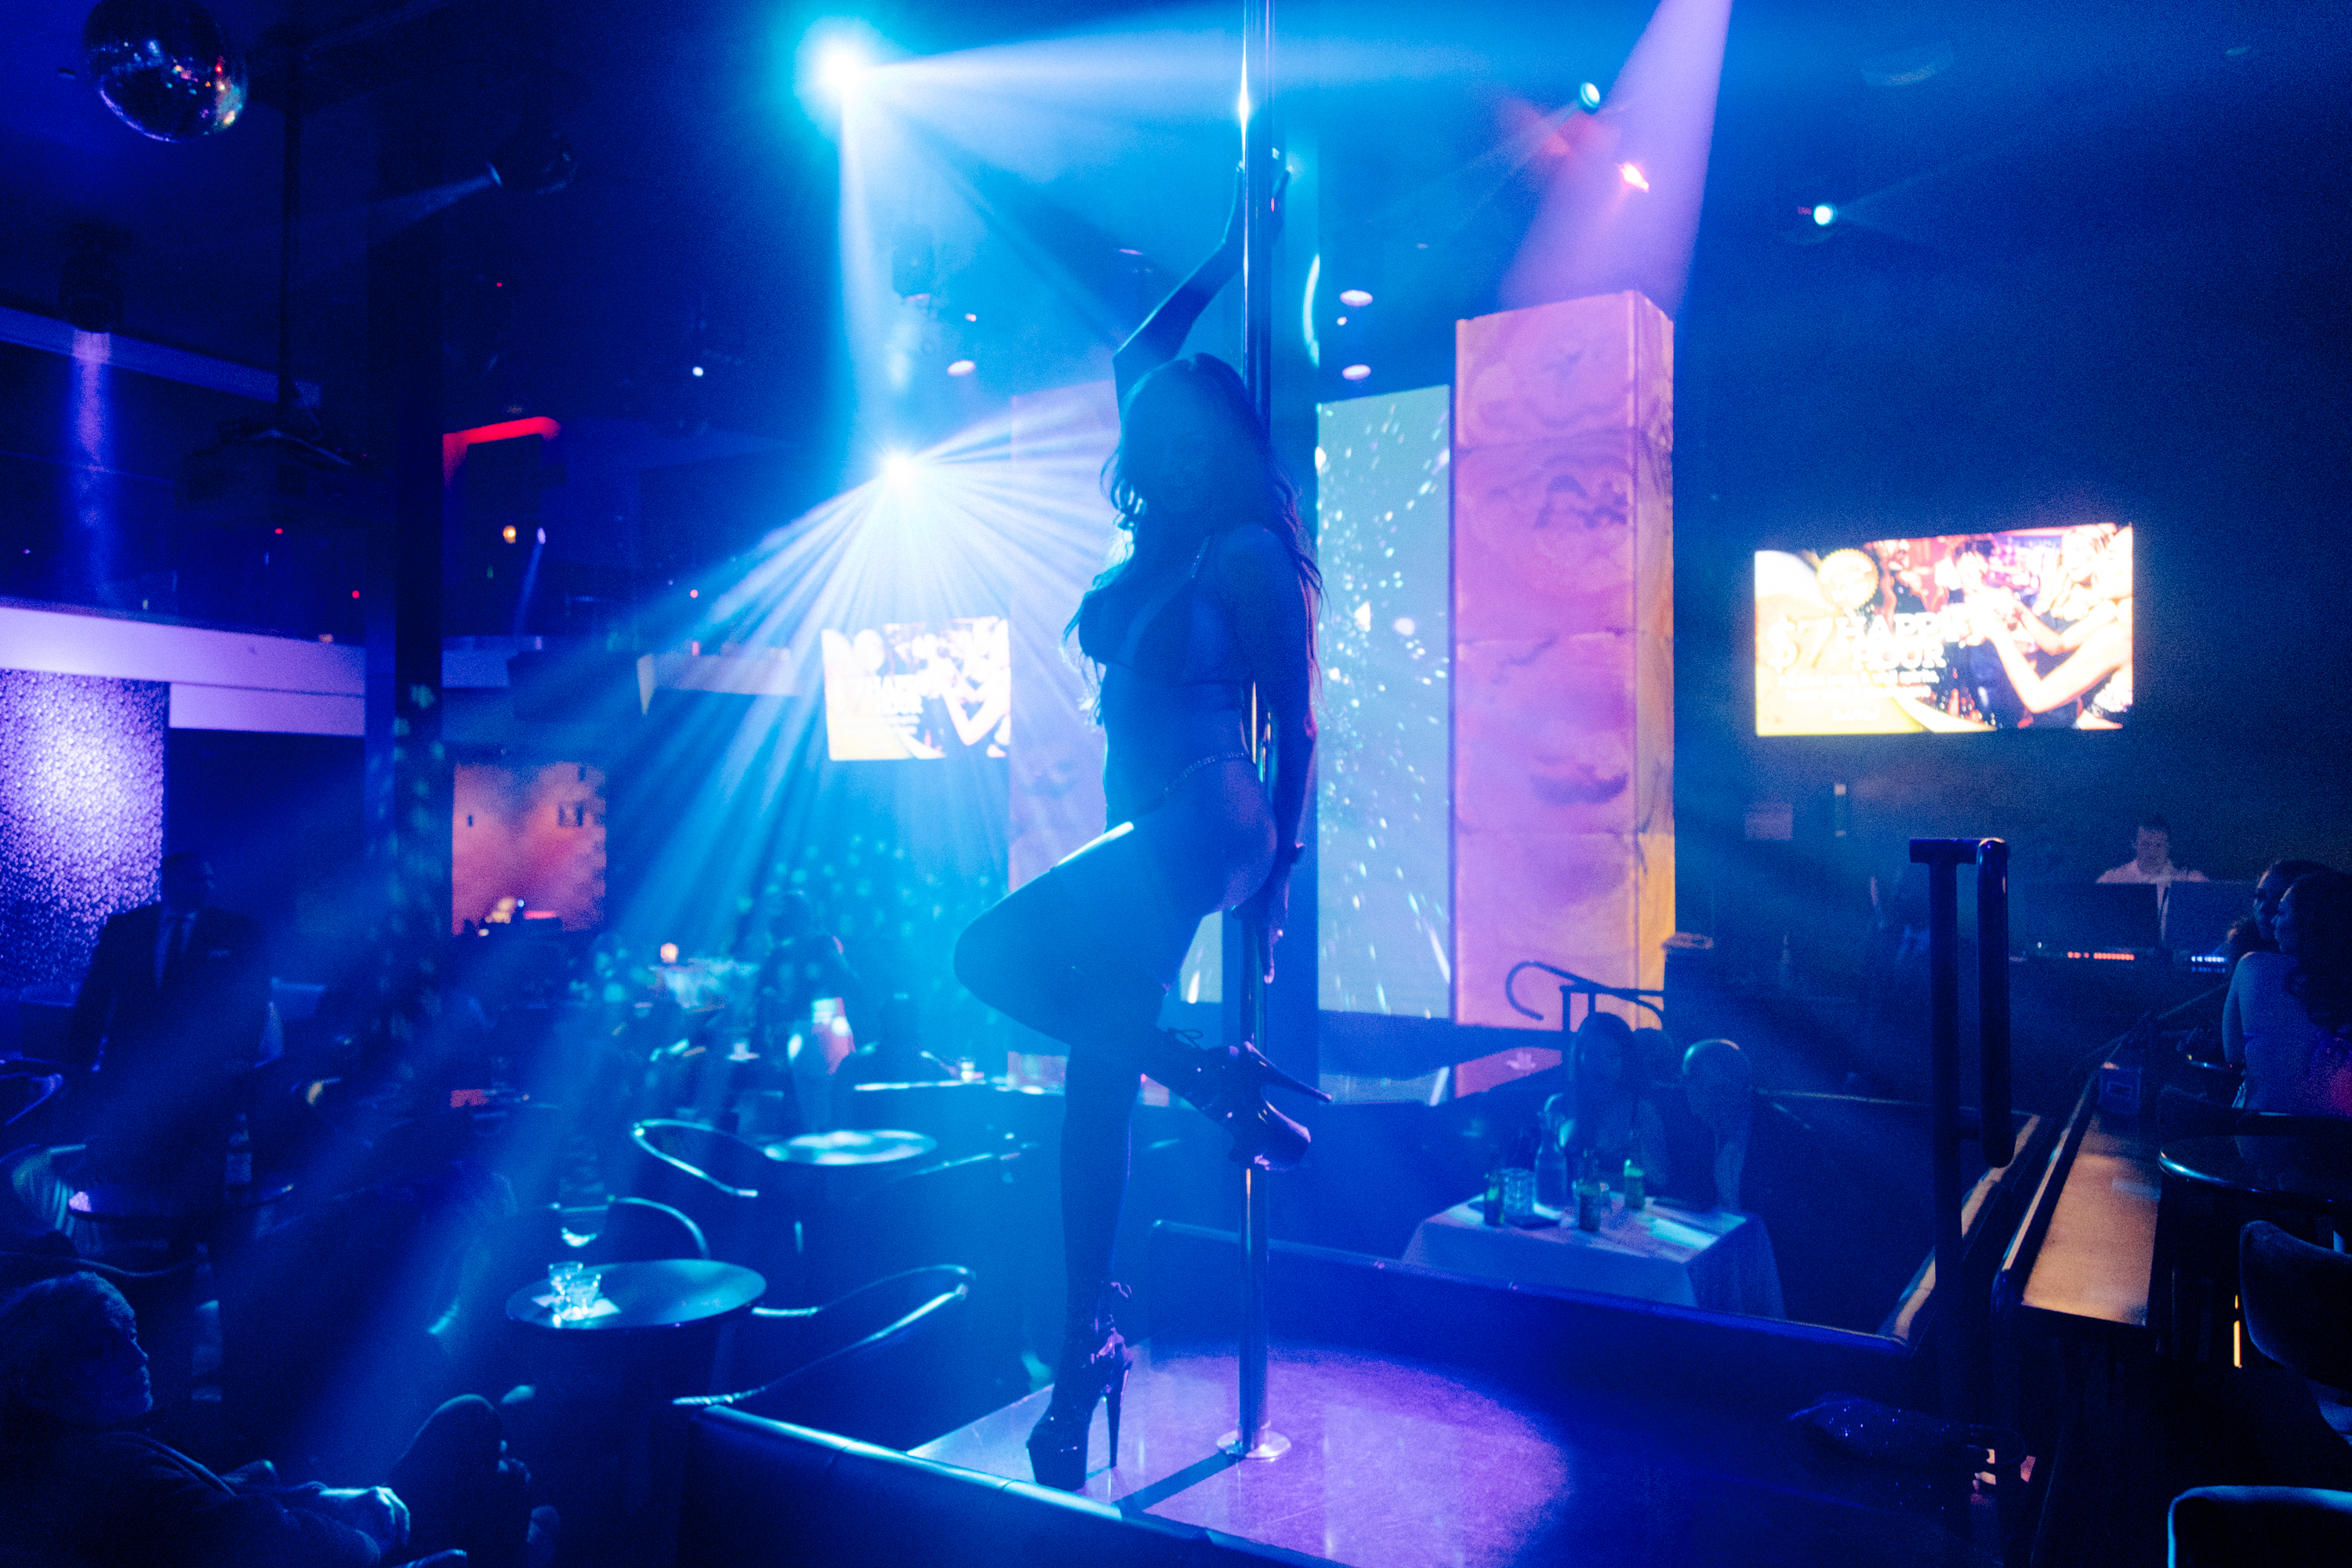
2029 629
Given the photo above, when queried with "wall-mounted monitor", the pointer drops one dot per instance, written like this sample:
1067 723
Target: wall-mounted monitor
2029 629
919 691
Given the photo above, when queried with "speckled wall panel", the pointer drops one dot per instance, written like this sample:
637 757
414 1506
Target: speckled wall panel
82 815
1563 639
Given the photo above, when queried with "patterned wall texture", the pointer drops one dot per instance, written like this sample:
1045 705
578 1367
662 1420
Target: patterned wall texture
82 815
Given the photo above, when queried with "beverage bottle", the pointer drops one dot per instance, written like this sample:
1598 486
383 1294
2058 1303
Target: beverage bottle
1590 1194
1551 1171
1637 1194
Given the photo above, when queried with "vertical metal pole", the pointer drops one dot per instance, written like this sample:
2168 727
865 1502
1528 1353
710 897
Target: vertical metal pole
1942 857
1999 1139
1245 981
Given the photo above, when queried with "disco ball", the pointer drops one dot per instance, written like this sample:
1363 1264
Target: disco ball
165 68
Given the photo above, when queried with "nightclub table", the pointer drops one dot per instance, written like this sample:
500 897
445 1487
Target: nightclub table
1718 1260
833 1166
652 1336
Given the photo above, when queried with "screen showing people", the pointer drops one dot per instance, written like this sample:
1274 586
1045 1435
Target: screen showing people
919 690
2027 628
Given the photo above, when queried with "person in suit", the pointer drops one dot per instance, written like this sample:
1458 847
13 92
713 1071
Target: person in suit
170 1017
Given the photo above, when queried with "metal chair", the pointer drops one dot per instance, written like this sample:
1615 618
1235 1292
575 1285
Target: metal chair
731 1189
878 1365
639 1229
2298 1299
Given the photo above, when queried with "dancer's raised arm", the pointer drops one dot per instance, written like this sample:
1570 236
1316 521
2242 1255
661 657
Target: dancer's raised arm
1162 336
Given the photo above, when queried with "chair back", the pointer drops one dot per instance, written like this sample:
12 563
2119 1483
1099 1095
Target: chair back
23 1092
2297 1301
770 1342
888 1384
731 1191
638 1230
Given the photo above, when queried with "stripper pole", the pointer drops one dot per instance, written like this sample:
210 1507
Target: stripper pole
1245 946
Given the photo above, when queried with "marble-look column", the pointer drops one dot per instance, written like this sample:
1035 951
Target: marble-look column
1563 648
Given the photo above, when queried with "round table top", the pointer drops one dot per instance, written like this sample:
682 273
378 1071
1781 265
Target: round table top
666 1294
2301 1172
876 1146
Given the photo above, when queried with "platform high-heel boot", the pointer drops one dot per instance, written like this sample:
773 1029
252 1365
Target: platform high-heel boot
1228 1086
1093 1367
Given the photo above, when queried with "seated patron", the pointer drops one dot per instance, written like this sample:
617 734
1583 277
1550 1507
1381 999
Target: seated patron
1607 1114
78 1485
2288 1018
2258 931
1710 1127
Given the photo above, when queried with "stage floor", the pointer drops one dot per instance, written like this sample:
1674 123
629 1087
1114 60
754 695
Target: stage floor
1399 1465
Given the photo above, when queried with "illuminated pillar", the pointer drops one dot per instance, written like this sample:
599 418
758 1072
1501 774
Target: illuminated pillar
1563 649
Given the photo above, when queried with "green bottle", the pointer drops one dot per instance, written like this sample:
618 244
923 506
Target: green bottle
1636 1195
1590 1195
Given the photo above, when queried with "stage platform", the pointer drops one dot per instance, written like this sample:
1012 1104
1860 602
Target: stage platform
1433 1419
1531 1432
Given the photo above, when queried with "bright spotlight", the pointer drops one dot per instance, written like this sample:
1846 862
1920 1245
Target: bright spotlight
1825 214
898 468
1588 95
1356 372
841 66
1242 108
963 367
1354 298
1632 175
696 372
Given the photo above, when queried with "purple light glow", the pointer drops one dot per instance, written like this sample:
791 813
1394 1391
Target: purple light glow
82 815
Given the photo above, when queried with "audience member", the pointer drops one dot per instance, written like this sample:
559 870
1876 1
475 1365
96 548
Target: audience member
2257 932
2288 1018
78 1485
1708 1142
804 965
169 1020
2151 859
1609 1115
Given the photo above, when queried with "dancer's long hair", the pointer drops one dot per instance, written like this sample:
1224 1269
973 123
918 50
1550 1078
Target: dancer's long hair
1261 488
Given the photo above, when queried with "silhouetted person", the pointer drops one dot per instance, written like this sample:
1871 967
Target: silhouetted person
77 1486
169 1020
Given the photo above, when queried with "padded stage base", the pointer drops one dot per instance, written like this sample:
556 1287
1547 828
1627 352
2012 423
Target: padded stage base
1400 1463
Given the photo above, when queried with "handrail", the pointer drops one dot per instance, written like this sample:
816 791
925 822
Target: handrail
1578 986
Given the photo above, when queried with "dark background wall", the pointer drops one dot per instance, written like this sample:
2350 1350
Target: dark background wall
2125 305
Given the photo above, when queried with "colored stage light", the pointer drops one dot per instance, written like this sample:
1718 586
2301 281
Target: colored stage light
507 533
1632 175
1354 298
963 367
696 373
1825 214
1588 95
1356 372
898 468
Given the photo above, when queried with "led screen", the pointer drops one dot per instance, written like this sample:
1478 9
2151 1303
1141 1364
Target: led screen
2029 629
1384 804
918 691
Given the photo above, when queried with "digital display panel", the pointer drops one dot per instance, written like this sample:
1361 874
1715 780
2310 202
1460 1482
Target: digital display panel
2029 629
1383 752
918 691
